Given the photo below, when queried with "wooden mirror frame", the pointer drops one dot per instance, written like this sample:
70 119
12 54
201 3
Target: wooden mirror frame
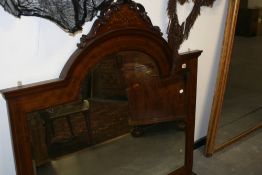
124 26
221 83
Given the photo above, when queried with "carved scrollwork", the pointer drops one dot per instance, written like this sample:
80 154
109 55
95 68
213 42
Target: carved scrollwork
111 18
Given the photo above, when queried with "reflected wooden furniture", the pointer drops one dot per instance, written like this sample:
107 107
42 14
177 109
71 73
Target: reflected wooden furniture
122 26
67 128
58 130
49 116
153 100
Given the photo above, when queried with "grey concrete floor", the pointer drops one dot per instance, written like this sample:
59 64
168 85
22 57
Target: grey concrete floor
159 151
156 158
242 158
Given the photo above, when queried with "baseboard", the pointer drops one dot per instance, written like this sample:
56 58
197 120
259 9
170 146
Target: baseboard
200 142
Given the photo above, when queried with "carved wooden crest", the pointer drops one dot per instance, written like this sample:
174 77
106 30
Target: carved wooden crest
111 18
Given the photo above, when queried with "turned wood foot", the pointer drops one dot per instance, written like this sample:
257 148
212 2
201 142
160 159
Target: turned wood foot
137 131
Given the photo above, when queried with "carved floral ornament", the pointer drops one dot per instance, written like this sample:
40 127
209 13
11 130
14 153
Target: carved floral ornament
71 15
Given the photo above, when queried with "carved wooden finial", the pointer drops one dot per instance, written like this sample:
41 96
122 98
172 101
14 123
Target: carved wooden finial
120 15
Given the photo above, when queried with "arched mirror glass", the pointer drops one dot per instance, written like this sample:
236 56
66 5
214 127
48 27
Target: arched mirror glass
125 122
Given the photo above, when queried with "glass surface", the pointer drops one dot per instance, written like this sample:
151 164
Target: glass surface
242 106
104 132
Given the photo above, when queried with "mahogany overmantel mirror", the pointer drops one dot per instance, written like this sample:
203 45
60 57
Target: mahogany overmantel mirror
236 110
123 104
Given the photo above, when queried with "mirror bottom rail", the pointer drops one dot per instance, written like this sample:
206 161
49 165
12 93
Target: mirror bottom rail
238 138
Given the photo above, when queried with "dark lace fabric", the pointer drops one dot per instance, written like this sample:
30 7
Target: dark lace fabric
69 14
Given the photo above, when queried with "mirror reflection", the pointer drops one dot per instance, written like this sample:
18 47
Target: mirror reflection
127 121
242 106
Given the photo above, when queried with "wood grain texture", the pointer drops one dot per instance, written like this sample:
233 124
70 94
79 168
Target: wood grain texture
107 37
